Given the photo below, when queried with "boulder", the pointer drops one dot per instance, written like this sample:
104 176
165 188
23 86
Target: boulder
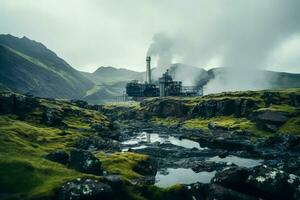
115 181
84 188
85 161
218 192
198 190
295 99
286 142
207 166
212 125
270 121
58 156
98 143
271 98
52 117
233 178
146 167
270 183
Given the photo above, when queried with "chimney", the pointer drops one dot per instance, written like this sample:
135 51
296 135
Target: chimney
148 70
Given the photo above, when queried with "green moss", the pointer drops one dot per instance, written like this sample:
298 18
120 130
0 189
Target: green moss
177 191
197 123
122 163
291 127
76 122
165 121
226 122
23 170
32 177
280 108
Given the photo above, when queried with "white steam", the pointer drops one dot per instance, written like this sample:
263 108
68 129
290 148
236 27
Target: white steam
238 35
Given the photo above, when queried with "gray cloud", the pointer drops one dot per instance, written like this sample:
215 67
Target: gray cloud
209 33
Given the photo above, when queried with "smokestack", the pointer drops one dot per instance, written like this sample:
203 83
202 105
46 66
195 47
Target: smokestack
148 69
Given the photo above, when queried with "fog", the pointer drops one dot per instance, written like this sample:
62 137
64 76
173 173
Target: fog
237 35
244 37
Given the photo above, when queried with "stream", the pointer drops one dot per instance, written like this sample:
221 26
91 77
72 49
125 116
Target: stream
177 156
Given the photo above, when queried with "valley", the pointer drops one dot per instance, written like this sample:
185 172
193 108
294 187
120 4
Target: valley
214 146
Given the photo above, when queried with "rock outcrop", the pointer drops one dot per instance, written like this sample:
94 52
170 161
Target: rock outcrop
83 188
224 107
58 156
85 161
270 121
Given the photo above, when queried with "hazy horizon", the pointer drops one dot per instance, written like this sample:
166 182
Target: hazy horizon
207 34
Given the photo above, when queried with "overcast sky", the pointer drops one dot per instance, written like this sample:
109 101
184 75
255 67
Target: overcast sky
210 33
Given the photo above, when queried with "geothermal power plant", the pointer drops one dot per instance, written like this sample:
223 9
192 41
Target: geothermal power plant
164 86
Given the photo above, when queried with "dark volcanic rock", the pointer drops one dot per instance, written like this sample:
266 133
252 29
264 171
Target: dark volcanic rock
244 107
146 167
58 156
271 98
98 143
295 99
283 142
223 154
274 184
225 107
17 104
205 109
98 127
52 117
80 103
199 190
81 189
233 178
166 108
218 192
115 181
85 161
207 166
270 121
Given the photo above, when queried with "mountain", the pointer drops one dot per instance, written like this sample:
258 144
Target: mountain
112 74
110 83
28 66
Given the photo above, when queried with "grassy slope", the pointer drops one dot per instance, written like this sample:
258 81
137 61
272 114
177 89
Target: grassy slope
26 174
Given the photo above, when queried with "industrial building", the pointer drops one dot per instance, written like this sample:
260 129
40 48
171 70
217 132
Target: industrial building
165 86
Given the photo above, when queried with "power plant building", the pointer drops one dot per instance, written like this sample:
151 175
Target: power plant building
166 86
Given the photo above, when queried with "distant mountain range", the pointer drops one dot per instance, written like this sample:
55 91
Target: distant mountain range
30 67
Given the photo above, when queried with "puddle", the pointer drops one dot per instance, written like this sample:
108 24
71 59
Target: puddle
183 176
186 143
242 162
136 147
154 137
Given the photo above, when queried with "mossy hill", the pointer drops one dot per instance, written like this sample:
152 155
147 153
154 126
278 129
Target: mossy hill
31 128
29 67
259 113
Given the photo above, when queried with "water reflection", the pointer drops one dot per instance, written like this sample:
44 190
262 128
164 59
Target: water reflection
183 176
154 137
242 162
